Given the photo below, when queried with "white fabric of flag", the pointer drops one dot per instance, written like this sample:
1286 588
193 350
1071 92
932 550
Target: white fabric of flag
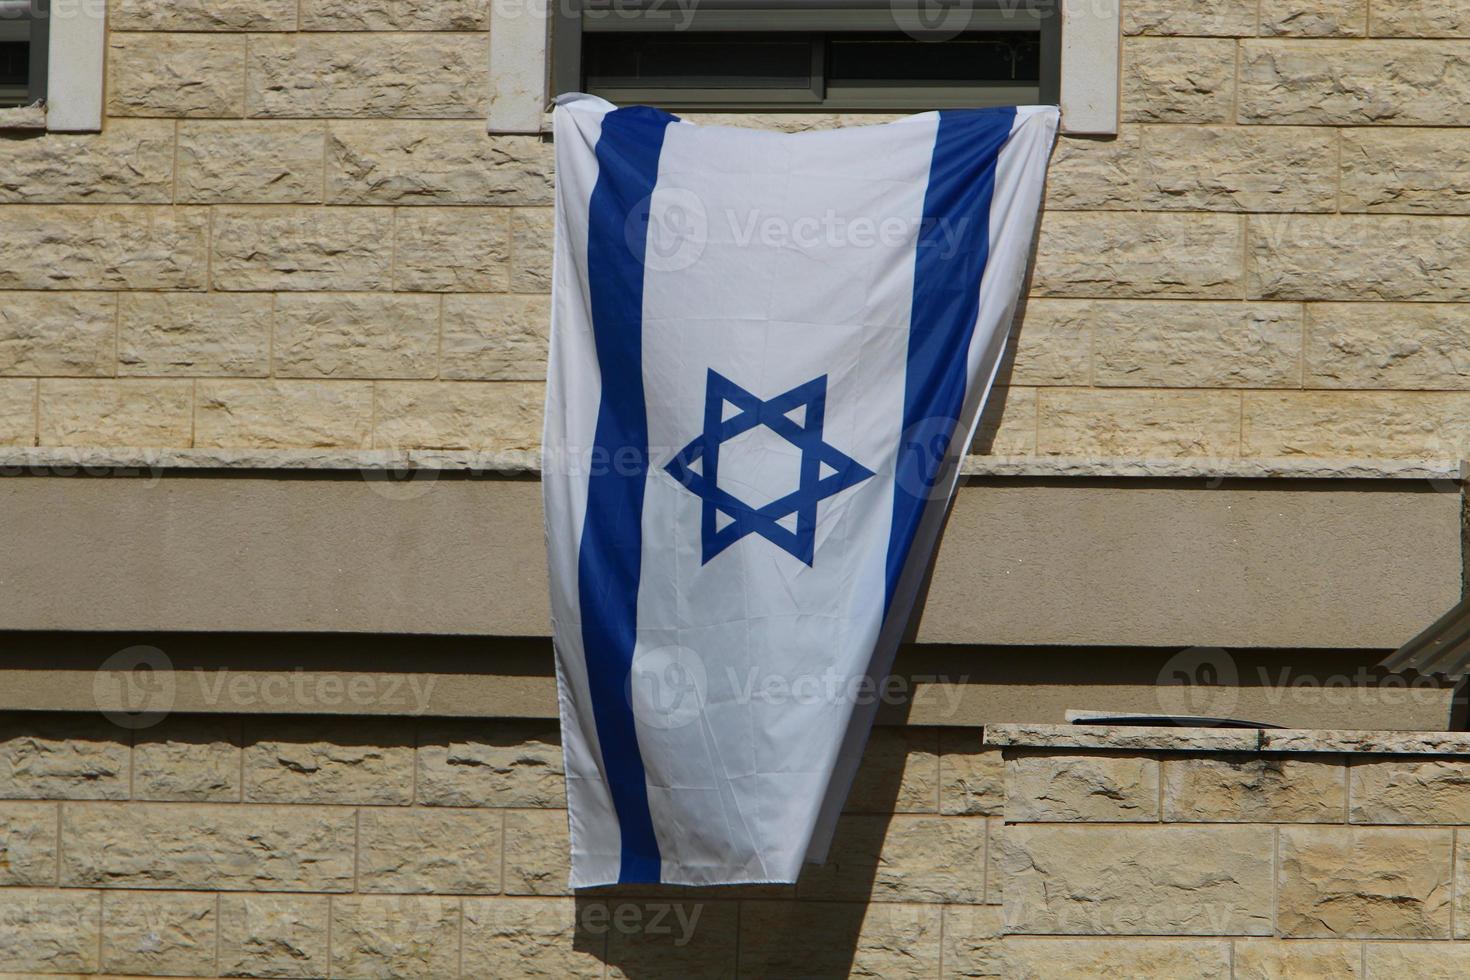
768 351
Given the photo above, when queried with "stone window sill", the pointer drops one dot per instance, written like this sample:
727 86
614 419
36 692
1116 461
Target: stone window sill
25 118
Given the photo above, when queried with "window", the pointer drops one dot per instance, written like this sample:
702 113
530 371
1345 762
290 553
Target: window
848 55
23 49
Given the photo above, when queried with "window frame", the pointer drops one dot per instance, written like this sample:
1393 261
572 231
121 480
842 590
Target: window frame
36 15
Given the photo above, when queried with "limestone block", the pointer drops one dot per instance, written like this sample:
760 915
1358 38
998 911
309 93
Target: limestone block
1316 18
159 933
129 162
176 75
1364 882
529 937
1102 880
910 858
880 940
224 847
27 844
1195 18
49 930
271 414
496 338
115 413
1406 171
1178 80
1248 169
1413 18
1414 346
68 334
406 76
971 775
201 15
1052 342
1194 345
434 162
395 937
303 248
1267 960
1386 425
1260 788
537 852
89 247
440 851
17 413
899 772
62 757
328 761
1008 425
273 935
530 250
460 415
1151 424
251 162
498 763
1422 961
193 334
1354 83
461 250
1046 787
395 15
1410 791
1094 174
189 759
1090 254
1360 257
356 335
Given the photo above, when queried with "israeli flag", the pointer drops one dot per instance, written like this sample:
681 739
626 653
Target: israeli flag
768 351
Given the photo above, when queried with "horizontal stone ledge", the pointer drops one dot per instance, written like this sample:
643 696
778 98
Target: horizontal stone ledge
1159 739
36 460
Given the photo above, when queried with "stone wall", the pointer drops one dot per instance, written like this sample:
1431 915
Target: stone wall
294 232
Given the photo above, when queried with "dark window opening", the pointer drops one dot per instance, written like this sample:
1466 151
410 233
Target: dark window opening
23 39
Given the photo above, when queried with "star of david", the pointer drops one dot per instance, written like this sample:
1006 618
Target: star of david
789 522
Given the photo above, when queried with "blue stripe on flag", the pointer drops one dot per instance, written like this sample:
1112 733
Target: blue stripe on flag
609 562
953 247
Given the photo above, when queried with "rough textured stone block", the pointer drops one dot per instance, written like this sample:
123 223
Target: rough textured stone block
1404 345
62 757
440 851
461 250
1410 791
1138 255
888 940
188 759
115 413
395 15
329 761
84 247
501 763
442 162
669 939
395 937
529 937
1051 343
1178 80
1151 424
268 414
196 335
1428 961
1316 18
1388 425
1094 175
994 877
430 76
1249 169
496 338
1414 18
201 15
173 75
224 847
531 236
908 859
49 930
1194 18
537 852
1137 880
17 413
158 934
1351 882
361 335
1008 425
273 935
1194 345
899 772
129 162
971 775
27 844
1360 257
68 334
1260 788
1409 171
460 415
303 248
1353 83
1280 960
250 162
1046 787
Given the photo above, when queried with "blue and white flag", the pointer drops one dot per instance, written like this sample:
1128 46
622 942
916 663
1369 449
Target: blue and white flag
768 351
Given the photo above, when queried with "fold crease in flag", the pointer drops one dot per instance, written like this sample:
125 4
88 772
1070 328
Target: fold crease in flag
768 352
